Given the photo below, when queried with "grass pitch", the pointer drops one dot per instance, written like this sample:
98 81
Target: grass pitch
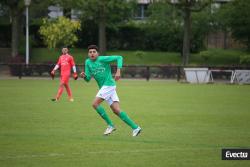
183 125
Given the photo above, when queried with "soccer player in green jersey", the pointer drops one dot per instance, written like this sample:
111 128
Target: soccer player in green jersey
99 68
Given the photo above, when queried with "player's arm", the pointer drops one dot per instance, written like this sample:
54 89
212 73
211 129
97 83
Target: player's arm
119 61
118 74
86 75
109 59
75 76
52 73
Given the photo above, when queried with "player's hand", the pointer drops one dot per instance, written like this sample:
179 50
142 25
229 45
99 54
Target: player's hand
117 75
75 76
52 74
82 74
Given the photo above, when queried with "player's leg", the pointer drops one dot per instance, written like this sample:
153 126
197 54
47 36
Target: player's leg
66 85
101 111
59 93
60 90
69 92
115 106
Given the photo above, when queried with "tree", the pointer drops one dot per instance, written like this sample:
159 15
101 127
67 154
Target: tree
105 13
59 32
15 8
220 21
236 16
163 27
187 7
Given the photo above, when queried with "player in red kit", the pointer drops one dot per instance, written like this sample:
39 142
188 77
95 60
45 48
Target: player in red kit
65 62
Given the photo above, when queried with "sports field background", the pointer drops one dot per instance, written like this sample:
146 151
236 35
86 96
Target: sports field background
183 125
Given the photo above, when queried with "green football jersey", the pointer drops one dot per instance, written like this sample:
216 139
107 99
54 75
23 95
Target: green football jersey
100 69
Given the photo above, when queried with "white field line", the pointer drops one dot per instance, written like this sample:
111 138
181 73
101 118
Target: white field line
27 156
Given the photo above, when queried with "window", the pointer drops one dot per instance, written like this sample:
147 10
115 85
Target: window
140 12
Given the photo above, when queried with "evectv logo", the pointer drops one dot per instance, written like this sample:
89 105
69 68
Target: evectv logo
235 154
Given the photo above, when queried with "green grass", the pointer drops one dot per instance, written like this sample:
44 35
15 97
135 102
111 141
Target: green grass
40 55
183 125
218 57
212 57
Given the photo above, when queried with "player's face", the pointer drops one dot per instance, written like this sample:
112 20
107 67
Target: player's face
64 50
93 54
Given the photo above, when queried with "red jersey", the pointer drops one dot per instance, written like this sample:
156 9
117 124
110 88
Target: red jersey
66 62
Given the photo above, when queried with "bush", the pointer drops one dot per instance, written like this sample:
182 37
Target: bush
205 55
126 37
141 37
59 32
245 60
139 54
167 40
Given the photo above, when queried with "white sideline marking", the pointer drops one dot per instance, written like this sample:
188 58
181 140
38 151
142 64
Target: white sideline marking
96 152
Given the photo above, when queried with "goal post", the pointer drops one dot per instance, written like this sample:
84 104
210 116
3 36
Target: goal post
198 75
241 77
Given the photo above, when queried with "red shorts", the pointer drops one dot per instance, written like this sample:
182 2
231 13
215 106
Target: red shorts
64 79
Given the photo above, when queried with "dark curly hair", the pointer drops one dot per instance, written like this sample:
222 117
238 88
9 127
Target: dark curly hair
93 47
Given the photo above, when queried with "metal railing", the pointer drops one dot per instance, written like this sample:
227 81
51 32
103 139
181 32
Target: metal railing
129 71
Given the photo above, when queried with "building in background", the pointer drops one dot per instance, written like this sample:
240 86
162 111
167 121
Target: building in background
219 38
142 7
55 11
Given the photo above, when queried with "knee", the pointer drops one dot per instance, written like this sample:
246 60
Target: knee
62 84
95 105
116 110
